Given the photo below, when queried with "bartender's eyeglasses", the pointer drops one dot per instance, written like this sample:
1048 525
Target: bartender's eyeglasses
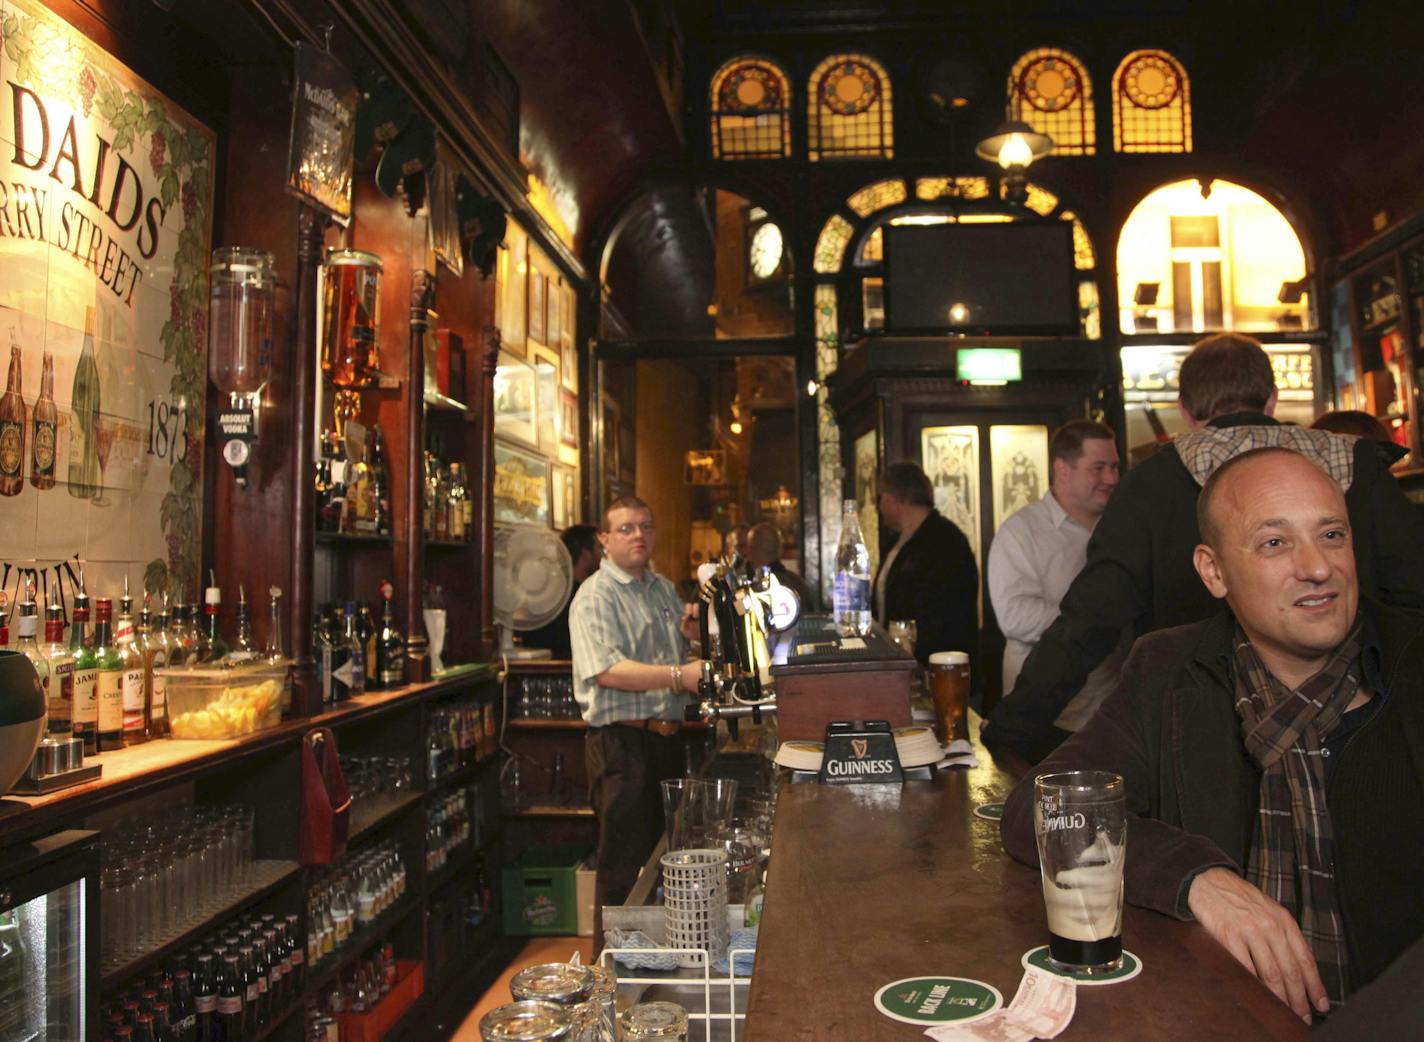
629 529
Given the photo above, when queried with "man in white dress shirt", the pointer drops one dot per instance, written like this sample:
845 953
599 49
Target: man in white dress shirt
1039 550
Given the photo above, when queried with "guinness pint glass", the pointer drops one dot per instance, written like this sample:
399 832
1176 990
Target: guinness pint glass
1080 818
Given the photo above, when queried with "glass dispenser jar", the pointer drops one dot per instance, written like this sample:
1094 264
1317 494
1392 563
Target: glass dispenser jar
241 307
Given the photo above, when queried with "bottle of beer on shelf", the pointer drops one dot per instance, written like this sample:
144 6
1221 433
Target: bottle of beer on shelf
12 427
135 698
27 643
86 673
44 429
61 673
296 956
230 1022
156 646
390 645
110 684
182 1015
212 648
261 980
205 1001
351 674
244 646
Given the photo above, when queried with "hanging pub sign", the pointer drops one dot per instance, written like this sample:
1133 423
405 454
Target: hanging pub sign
320 155
105 228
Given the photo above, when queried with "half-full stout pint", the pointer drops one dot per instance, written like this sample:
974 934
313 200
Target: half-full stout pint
1081 822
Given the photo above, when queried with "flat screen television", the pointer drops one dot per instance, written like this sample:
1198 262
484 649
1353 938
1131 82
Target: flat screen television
1011 278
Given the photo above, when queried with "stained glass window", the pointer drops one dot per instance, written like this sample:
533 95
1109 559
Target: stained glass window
1040 200
749 102
954 187
876 197
1050 90
1152 106
849 109
1088 310
1084 259
831 245
873 250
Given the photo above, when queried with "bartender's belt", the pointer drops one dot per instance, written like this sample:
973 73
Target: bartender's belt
666 728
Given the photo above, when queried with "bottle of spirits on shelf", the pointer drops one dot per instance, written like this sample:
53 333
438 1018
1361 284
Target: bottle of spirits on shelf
212 648
338 476
27 637
359 511
182 641
229 1018
324 655
457 504
380 482
61 673
110 685
86 673
83 433
350 675
244 647
44 429
276 647
4 619
154 646
467 504
366 634
390 645
135 698
431 484
12 427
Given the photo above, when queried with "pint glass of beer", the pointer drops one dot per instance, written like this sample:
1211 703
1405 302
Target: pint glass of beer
1080 818
949 689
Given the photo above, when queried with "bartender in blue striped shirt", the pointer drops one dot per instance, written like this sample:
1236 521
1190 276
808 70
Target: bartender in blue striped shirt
632 678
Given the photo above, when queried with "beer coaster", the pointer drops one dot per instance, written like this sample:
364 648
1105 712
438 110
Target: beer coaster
990 811
1131 967
937 1000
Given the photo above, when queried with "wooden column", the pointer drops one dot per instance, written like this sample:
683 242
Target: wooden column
306 698
484 481
422 296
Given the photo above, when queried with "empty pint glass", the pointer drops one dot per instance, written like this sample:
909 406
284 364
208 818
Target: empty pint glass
1081 823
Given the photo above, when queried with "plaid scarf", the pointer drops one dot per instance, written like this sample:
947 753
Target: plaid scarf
1292 852
1204 450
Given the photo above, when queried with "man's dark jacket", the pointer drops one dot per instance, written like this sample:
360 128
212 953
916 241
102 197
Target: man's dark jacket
935 581
1139 573
1172 731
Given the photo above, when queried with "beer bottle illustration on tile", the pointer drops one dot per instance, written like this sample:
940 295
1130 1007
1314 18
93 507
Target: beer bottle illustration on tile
12 427
44 430
83 442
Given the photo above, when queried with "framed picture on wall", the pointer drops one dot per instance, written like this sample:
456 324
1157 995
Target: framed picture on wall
867 465
568 356
612 420
546 376
516 399
568 418
521 486
559 504
569 490
538 293
515 257
950 456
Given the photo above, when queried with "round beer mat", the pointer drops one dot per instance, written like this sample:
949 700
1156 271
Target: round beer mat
937 1000
1131 967
989 811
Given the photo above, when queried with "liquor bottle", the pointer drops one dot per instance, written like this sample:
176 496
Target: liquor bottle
390 645
86 673
851 598
205 1001
4 619
84 403
261 977
354 358
182 642
360 496
44 429
135 697
12 427
429 495
183 1016
111 677
296 957
442 504
380 482
61 673
276 648
27 643
244 647
211 645
366 635
350 674
229 1018
157 647
457 504
467 504
194 619
323 656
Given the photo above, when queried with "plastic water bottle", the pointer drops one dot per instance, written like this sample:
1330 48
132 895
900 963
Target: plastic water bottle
851 598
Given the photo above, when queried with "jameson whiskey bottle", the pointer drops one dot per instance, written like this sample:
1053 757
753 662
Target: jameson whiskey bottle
110 684
12 428
61 673
84 402
44 430
86 674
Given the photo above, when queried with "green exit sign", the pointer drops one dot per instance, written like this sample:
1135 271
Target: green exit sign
989 365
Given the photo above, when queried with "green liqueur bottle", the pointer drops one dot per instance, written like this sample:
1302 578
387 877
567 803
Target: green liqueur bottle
83 448
86 673
110 686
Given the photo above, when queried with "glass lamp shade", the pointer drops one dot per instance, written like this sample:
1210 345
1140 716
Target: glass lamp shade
1014 144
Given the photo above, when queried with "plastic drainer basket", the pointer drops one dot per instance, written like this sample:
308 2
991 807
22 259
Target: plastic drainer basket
695 902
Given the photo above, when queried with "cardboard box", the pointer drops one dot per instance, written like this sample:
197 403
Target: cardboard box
584 878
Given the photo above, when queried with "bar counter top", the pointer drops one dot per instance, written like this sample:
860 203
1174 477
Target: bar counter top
871 884
135 768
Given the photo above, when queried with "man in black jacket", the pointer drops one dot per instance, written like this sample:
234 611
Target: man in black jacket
1272 755
929 575
1139 569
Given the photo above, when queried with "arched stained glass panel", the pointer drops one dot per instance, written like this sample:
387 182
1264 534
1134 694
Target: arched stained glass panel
955 187
1051 91
749 106
831 245
849 113
876 197
1152 105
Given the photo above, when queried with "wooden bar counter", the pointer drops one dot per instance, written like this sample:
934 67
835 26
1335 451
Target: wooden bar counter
874 883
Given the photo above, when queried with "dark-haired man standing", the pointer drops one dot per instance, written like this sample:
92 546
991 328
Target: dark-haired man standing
929 575
1139 568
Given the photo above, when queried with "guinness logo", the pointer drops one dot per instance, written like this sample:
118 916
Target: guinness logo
859 747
